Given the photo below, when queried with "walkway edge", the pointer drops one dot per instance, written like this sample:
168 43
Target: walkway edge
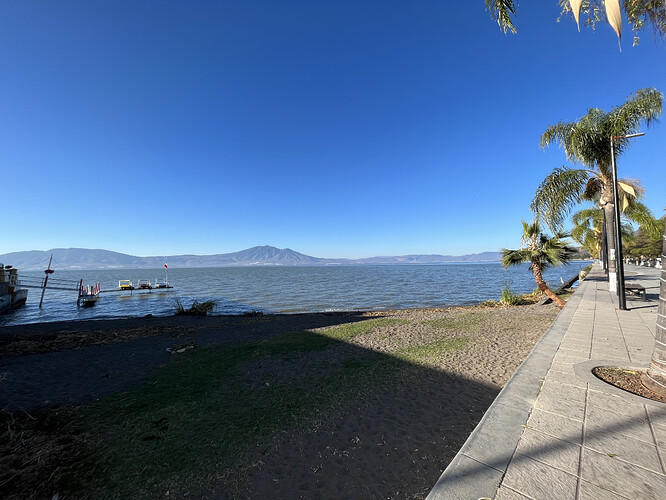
478 468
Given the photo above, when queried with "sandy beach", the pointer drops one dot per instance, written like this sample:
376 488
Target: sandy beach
340 405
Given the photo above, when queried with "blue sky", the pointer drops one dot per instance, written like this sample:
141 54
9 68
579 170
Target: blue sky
335 128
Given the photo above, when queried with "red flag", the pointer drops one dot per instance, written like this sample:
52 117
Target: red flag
165 266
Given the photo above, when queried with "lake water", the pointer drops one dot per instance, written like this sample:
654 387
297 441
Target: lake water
237 290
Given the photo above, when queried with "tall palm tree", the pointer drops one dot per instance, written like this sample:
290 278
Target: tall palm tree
541 252
655 377
587 141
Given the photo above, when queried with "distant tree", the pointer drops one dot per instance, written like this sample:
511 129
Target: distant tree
647 242
541 251
587 141
640 14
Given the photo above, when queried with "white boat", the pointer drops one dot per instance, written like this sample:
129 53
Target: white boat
144 285
11 293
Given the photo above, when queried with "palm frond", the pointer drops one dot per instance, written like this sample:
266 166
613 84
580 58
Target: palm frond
557 195
543 251
501 11
645 106
642 215
513 257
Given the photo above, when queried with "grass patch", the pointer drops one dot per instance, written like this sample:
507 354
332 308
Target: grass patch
465 322
193 423
350 330
432 349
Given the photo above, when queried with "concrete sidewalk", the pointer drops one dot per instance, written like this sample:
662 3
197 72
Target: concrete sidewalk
556 431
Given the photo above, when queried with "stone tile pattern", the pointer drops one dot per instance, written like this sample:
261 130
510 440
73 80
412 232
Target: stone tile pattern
581 441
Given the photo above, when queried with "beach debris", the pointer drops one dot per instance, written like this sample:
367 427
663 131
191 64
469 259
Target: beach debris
181 348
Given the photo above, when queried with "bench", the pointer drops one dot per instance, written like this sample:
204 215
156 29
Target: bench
635 290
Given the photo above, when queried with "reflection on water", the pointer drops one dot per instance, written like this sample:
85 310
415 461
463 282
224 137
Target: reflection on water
285 289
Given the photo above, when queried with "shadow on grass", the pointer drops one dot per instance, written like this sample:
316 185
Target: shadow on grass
264 407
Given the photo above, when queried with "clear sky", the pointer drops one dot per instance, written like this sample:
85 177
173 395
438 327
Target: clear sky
335 128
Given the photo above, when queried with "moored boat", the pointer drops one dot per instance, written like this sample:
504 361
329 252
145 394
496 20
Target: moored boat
89 295
11 293
125 285
144 285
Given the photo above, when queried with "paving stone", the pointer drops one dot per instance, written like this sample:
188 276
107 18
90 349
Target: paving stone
600 420
598 398
657 415
561 378
581 352
623 447
565 368
562 399
538 480
569 358
550 450
556 425
589 491
604 352
505 493
583 340
622 478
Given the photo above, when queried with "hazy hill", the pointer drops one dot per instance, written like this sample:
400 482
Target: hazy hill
83 258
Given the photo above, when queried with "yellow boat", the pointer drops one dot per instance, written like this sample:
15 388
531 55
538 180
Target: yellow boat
125 285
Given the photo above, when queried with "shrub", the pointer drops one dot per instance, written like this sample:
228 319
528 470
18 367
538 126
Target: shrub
508 298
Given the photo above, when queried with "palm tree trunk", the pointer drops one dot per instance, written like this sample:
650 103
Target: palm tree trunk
655 377
538 277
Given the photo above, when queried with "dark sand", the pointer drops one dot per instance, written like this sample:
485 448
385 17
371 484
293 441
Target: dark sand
392 444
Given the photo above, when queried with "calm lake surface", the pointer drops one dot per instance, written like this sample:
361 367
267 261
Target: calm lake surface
283 289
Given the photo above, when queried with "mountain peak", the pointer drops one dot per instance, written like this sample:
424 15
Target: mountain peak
265 255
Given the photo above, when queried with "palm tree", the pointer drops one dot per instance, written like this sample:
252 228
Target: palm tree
646 243
655 377
541 252
640 13
587 141
587 230
588 223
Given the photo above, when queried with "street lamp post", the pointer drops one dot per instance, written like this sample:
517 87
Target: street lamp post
619 262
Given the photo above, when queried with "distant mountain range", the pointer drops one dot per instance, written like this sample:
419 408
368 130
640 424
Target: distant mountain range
83 258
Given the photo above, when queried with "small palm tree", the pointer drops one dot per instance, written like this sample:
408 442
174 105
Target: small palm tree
541 252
